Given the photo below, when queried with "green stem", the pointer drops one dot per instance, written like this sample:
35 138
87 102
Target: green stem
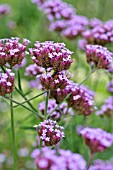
46 105
91 156
36 113
19 81
13 133
30 99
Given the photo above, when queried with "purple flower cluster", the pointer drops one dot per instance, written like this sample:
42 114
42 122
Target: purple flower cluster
56 9
107 108
99 55
6 82
50 54
97 139
101 165
33 70
100 33
60 111
53 82
50 132
110 86
81 98
4 9
65 160
11 51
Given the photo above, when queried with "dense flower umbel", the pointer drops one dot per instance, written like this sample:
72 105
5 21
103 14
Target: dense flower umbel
6 82
50 132
97 139
100 33
11 51
56 9
102 165
4 9
81 98
107 108
50 54
53 82
33 70
62 110
99 55
65 160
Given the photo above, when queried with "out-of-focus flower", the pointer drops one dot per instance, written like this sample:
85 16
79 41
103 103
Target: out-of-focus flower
6 82
4 9
60 111
99 55
110 86
33 70
64 160
107 108
96 139
82 44
11 51
11 24
101 165
95 22
50 132
23 63
49 54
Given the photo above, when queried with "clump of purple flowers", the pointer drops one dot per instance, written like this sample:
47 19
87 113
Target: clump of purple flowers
50 132
110 86
4 9
107 108
101 165
50 54
96 139
6 82
33 70
60 111
64 160
11 51
99 55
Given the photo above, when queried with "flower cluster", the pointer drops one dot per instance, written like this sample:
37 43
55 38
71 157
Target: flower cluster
50 54
107 108
99 55
33 70
50 132
11 51
97 139
101 165
64 160
110 86
53 82
6 82
56 9
100 33
61 110
4 9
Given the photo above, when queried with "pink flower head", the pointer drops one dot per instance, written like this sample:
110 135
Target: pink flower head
50 132
33 70
99 55
101 165
96 139
11 51
50 54
6 82
4 9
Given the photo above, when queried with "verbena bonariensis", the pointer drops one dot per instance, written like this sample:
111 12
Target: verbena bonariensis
99 55
33 70
101 165
49 54
50 132
110 86
107 108
56 9
11 51
100 34
65 159
6 82
59 112
4 9
96 139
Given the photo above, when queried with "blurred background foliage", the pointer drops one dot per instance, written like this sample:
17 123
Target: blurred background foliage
29 22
